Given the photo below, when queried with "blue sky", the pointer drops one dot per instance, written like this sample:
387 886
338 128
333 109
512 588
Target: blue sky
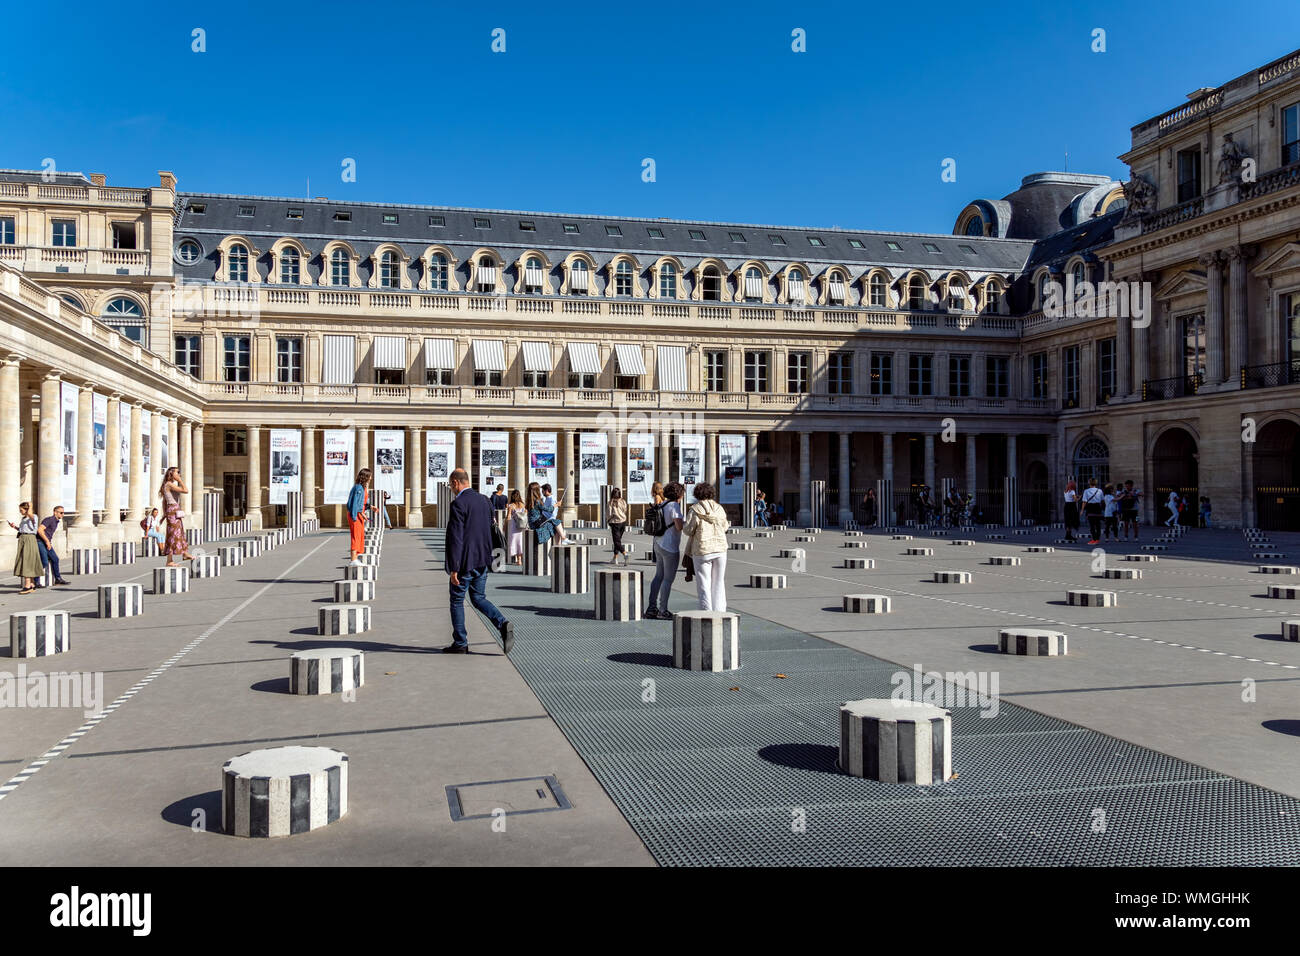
851 133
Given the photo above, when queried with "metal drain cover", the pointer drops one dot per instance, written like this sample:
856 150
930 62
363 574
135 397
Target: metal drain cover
474 801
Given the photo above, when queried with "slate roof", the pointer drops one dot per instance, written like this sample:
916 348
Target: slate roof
1055 249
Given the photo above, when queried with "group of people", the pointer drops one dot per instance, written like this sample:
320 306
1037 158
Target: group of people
1111 510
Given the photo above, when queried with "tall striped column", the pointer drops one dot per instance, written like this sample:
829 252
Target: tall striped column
569 565
537 555
618 594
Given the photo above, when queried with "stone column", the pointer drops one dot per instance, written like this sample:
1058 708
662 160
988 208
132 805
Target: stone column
614 464
110 524
568 477
139 494
27 450
197 478
81 530
751 456
846 480
154 479
364 457
255 476
415 467
929 461
11 432
1054 485
520 476
886 508
664 457
185 444
711 458
1238 356
49 478
805 479
308 470
1012 458
1123 357
972 475
464 451
1214 357
1141 352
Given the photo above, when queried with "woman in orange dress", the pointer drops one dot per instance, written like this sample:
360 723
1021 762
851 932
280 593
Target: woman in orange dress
358 501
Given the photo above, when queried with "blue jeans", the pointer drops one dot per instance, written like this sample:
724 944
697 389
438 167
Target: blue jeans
662 585
474 583
48 558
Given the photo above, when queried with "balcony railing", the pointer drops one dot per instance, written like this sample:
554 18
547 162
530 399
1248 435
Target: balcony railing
1269 376
1157 389
1174 215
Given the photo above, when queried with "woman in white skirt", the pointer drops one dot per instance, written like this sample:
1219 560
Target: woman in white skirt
704 541
516 525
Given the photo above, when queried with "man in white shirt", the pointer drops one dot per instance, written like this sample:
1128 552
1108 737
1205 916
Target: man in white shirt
1094 505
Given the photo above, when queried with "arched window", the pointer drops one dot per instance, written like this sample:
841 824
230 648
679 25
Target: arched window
340 268
710 285
753 284
578 276
957 294
72 300
915 293
237 263
1091 460
1044 288
290 267
992 297
390 271
127 317
487 274
438 272
879 297
534 277
1079 273
975 226
668 281
798 292
835 287
623 278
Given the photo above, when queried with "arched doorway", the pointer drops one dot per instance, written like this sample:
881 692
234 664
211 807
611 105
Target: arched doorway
1091 460
1174 467
1277 476
1035 494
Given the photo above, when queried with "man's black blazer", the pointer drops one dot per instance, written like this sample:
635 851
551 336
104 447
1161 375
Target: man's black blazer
469 533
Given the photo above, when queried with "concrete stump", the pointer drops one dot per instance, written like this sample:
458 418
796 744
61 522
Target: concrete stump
39 633
764 534
740 546
1005 560
361 572
868 604
859 564
767 580
962 542
569 567
938 534
284 790
1031 642
1020 531
812 530
171 580
85 561
537 555
1141 557
854 534
369 560
901 537
1122 574
1086 597
805 538
252 547
857 543
996 537
326 670
1291 630
1155 547
618 594
353 592
205 566
790 553
1268 555
123 552
1278 569
952 577
232 555
148 547
121 600
1040 549
193 537
896 741
338 619
1284 592
598 541
919 552
706 640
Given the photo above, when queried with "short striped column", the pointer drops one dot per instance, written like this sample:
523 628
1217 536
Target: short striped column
1031 642
326 670
598 540
1122 574
85 560
171 580
856 543
740 545
919 552
1020 531
860 564
706 640
790 553
867 604
193 537
38 633
1284 592
1278 569
952 577
252 547
1005 560
361 572
368 558
231 555
569 566
537 555
121 600
1291 630
1155 547
353 592
764 534
618 594
148 547
900 537
805 538
337 619
283 791
812 530
1268 555
1040 549
996 537
1086 597
767 580
123 552
1142 557
205 566
962 542
896 741
272 539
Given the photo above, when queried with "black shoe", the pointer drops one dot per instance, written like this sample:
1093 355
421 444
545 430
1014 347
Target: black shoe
456 649
650 614
62 582
507 631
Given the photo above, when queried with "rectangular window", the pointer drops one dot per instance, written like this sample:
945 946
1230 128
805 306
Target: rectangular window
959 376
481 222
882 373
437 376
123 235
582 380
654 232
527 225
1291 311
1038 375
1193 345
613 230
1070 376
490 379
736 236
756 368
390 219
920 374
798 372
437 220
535 379
715 371
892 246
1189 173
7 233
815 241
294 214
1291 134
237 361
997 376
695 234
776 240
342 215
64 232
187 354
571 227
234 442
234 498
198 208
288 360
930 247
246 212
856 244
839 373
390 376
1105 370
629 383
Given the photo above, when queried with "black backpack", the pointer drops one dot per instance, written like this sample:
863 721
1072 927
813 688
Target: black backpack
654 521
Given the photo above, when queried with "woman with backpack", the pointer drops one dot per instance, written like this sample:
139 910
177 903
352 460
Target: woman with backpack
540 515
664 523
517 523
617 522
704 543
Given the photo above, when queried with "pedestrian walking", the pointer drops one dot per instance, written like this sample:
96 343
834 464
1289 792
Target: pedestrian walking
173 486
1205 511
27 562
467 560
869 508
1128 512
1094 506
704 545
517 524
617 521
1110 514
1071 510
1175 505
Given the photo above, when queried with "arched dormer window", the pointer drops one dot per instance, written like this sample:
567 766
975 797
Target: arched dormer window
340 268
579 277
390 271
957 294
487 274
667 281
992 297
797 289
1080 273
916 293
878 289
290 266
534 276
237 263
710 285
1044 288
623 278
438 272
753 284
835 290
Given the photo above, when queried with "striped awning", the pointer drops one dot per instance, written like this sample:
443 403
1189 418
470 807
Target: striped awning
489 355
339 362
630 359
487 276
537 356
584 358
837 287
389 351
753 286
578 276
672 368
797 288
439 353
534 276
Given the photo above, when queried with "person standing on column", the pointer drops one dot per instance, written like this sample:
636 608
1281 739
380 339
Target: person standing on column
467 561
704 544
45 543
173 486
358 502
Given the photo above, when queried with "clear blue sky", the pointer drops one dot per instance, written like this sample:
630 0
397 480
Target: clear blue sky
850 133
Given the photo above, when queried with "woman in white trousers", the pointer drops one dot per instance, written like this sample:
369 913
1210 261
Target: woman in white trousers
704 540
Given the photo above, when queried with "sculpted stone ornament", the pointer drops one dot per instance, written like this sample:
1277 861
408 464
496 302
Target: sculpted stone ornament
1231 158
1141 196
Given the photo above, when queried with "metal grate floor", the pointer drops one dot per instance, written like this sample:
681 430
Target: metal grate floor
721 768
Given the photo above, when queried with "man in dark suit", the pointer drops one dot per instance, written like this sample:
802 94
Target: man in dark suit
468 559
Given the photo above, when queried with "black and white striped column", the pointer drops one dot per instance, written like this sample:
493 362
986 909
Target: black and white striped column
860 564
85 561
252 547
148 547
1284 592
952 577
1084 597
896 741
569 564
790 553
353 592
867 604
205 566
293 512
1005 560
171 580
1031 642
919 552
123 552
361 572
1291 630
326 670
1122 574
537 555
1278 569
121 600
38 633
740 545
284 790
211 516
338 619
856 543
706 640
618 594
767 581
231 555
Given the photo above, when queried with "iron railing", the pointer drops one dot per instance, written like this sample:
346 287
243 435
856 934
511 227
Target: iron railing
1155 389
1268 376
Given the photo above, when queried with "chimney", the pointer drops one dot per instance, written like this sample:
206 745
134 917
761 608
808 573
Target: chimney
167 179
98 179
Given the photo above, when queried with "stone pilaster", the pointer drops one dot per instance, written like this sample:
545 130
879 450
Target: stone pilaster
255 476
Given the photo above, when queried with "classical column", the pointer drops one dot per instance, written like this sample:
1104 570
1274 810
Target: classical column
805 479
1237 257
81 530
519 477
1214 364
614 463
415 467
1123 357
1141 352
308 468
49 478
185 443
110 524
664 457
464 451
1012 470
886 508
751 456
197 478
1054 492
929 460
364 457
846 480
972 476
711 458
27 412
138 493
255 476
11 431
154 479
568 478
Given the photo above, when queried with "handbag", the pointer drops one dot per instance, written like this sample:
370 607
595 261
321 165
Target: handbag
498 539
689 564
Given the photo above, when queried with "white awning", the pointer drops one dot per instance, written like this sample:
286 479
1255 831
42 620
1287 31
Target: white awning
754 287
837 287
489 355
796 289
389 351
339 363
672 368
487 276
534 276
578 277
439 354
584 358
630 359
537 356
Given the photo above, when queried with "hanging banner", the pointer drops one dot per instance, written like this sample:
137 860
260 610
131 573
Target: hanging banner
338 475
439 462
731 469
286 464
163 444
493 450
390 464
68 442
543 450
593 466
99 441
640 467
146 452
124 454
690 462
